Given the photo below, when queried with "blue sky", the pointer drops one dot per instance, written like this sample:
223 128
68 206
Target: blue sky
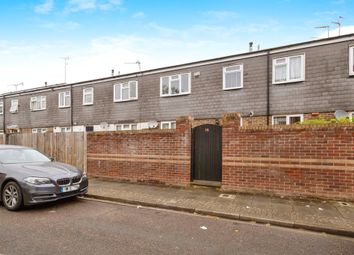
100 35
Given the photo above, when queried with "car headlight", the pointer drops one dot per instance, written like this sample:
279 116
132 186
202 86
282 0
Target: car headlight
37 180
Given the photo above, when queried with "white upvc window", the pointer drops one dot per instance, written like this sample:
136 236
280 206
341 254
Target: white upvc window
39 130
38 103
87 96
14 106
1 108
351 60
287 119
120 127
64 99
233 77
168 125
125 91
289 69
175 85
351 116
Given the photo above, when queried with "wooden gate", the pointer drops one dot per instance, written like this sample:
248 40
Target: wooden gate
206 161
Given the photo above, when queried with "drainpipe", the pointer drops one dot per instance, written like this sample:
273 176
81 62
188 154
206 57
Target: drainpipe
71 106
268 88
3 114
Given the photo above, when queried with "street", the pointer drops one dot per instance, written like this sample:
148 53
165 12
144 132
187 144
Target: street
79 226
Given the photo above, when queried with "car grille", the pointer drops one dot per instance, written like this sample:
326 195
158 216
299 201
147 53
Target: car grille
67 181
64 181
76 179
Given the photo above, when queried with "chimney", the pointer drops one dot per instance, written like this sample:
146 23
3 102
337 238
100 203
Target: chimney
45 84
112 72
258 47
251 46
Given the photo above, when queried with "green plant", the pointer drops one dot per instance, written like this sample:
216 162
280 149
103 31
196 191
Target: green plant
321 121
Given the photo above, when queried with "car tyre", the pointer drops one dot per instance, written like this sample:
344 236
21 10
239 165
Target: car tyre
12 196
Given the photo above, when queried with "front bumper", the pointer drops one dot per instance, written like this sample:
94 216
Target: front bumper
48 193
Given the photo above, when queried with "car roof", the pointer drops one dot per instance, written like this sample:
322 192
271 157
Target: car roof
5 146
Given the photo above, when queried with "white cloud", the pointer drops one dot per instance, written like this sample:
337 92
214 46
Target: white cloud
61 26
85 5
45 7
138 15
344 30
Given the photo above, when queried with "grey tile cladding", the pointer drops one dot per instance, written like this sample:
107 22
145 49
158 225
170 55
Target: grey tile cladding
327 87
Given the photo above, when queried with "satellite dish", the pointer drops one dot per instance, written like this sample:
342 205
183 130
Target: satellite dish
104 125
340 114
153 124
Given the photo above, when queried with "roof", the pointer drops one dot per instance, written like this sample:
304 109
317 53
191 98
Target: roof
289 47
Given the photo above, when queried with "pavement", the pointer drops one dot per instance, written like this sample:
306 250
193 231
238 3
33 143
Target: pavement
332 217
83 226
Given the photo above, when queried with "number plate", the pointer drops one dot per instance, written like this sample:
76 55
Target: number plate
69 188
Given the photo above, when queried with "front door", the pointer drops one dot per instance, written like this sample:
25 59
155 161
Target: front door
206 162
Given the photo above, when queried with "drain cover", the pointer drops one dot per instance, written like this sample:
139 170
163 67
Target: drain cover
228 196
344 203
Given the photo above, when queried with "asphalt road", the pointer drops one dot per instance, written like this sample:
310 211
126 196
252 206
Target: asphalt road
79 226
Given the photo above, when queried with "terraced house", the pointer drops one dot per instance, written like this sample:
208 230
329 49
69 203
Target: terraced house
281 85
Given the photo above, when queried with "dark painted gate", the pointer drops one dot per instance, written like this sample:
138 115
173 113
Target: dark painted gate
206 162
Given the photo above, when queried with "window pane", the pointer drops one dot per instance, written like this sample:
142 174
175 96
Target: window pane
294 119
126 127
119 127
133 89
184 83
165 126
295 68
232 79
125 93
164 81
134 127
281 120
61 99
280 73
117 95
175 86
173 125
88 98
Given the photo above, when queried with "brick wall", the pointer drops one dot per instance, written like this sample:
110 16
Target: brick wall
310 161
155 156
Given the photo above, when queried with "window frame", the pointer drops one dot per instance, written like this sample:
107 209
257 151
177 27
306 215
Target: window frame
287 61
180 85
41 130
121 91
351 60
169 124
11 105
2 107
65 96
84 93
351 116
224 74
288 118
127 129
40 103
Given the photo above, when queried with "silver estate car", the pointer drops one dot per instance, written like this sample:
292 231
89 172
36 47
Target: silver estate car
28 177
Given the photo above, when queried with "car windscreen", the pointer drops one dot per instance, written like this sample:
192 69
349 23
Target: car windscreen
17 156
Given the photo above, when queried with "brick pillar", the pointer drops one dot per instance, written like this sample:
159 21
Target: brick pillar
231 120
183 123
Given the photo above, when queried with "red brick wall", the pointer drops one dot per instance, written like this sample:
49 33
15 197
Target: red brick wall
155 156
311 161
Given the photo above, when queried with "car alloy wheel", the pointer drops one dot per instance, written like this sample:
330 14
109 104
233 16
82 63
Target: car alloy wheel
12 196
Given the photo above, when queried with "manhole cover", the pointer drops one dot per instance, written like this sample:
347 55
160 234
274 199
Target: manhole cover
344 203
228 196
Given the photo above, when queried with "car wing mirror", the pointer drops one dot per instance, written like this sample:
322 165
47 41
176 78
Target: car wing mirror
52 159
